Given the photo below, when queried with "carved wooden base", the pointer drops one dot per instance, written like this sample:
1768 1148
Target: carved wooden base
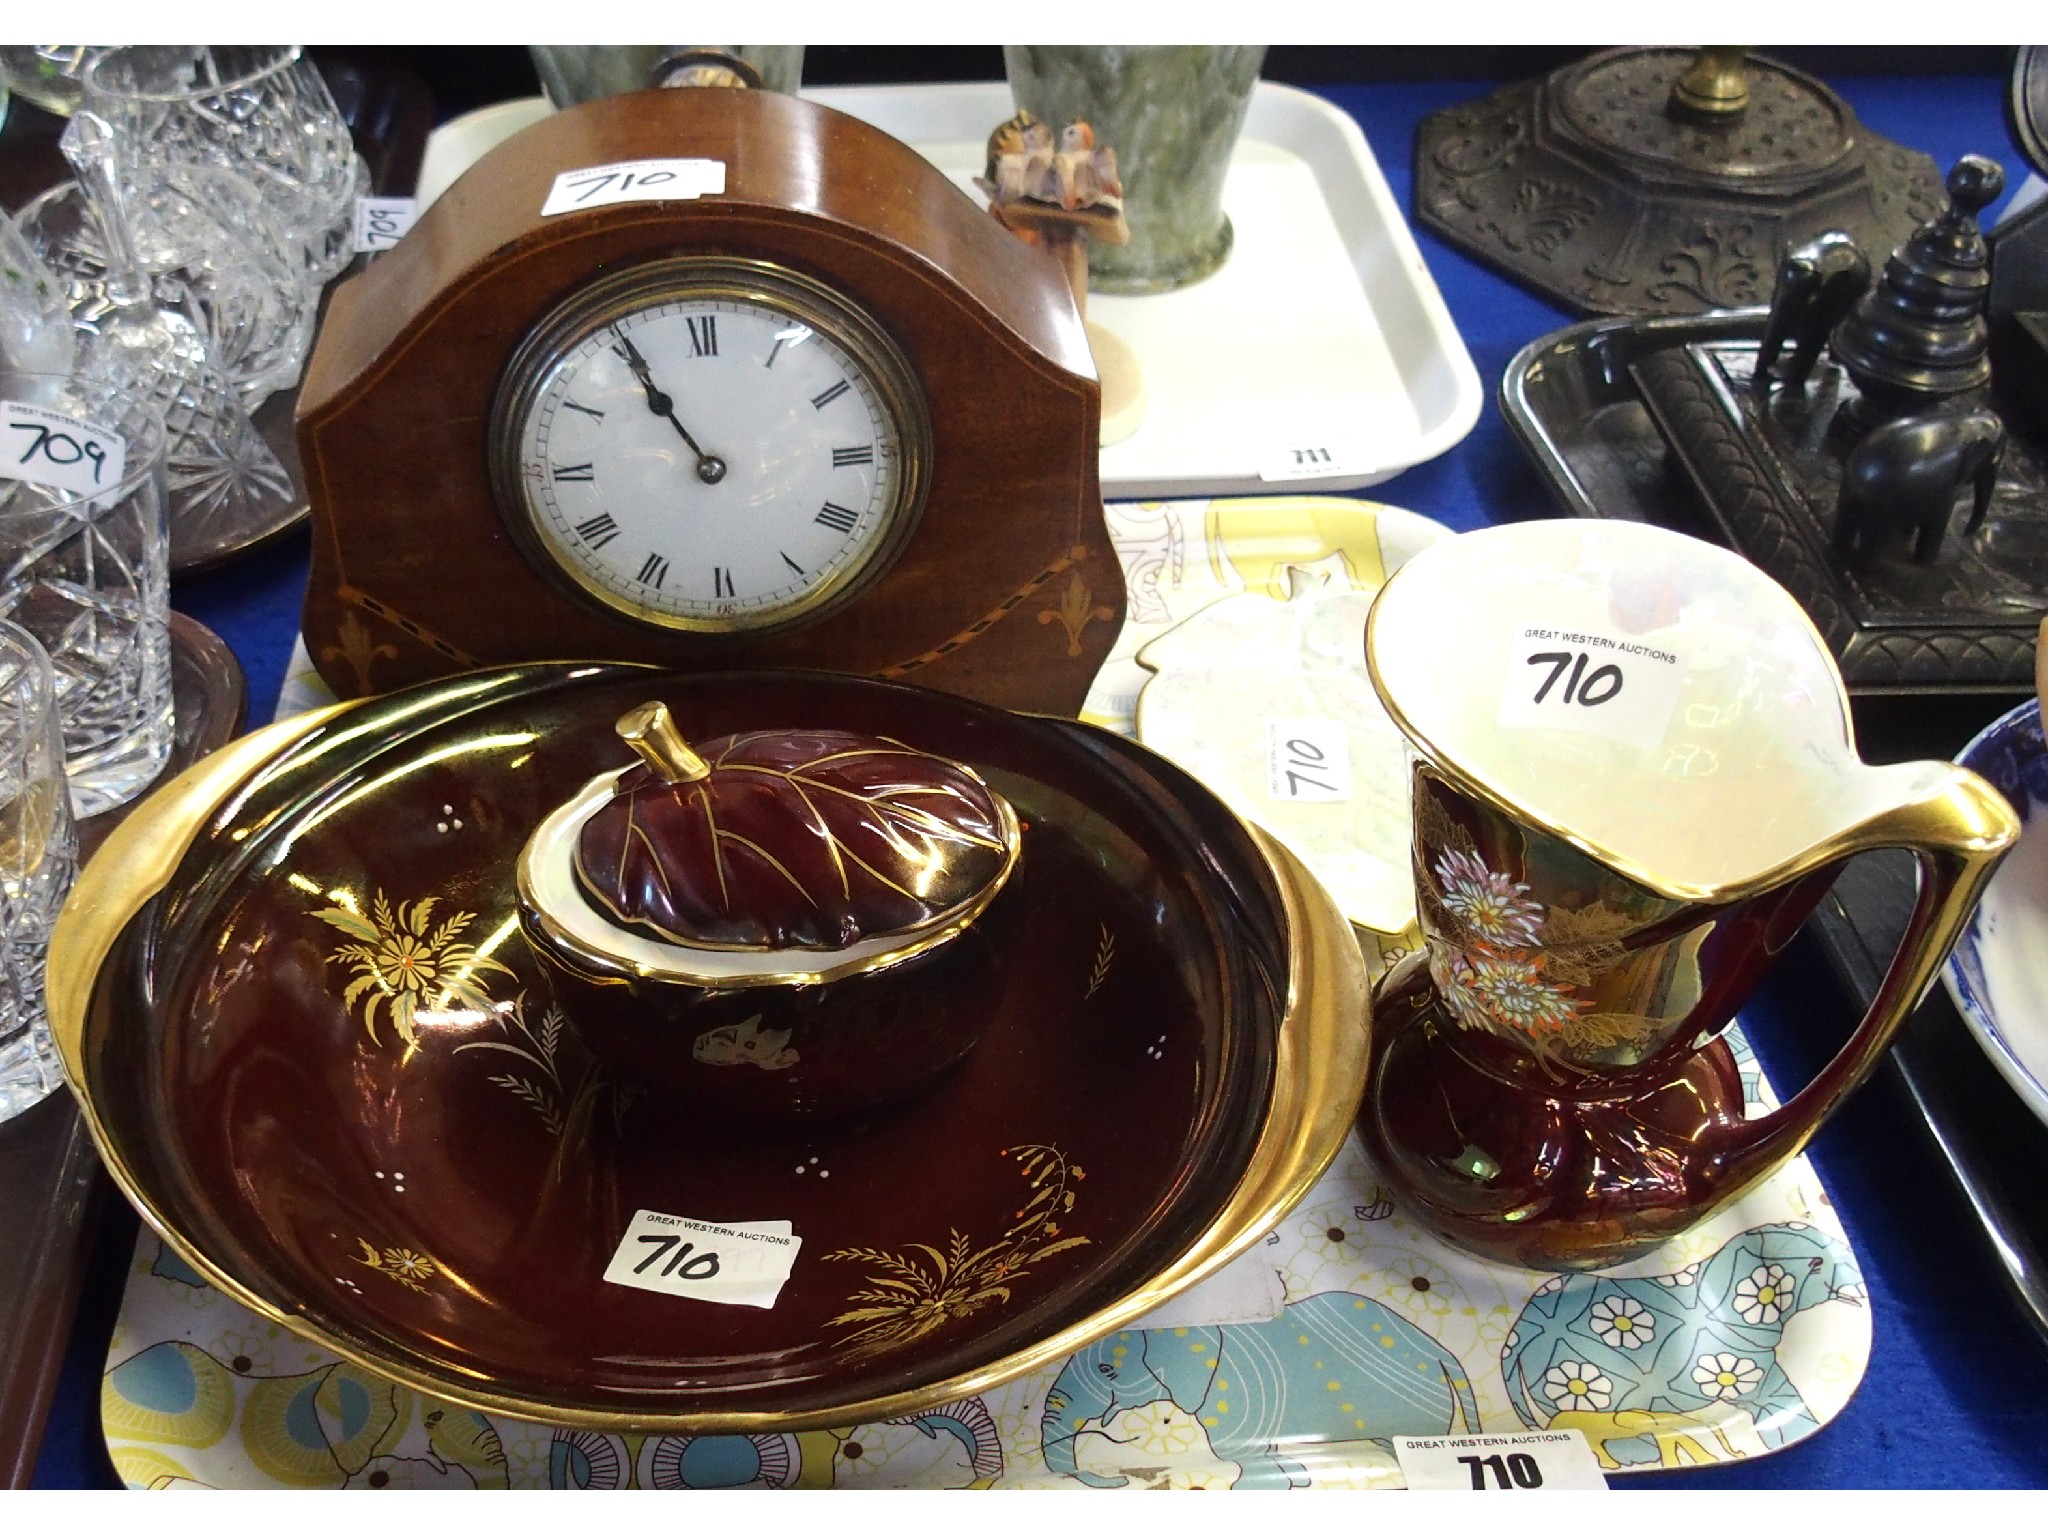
1768 470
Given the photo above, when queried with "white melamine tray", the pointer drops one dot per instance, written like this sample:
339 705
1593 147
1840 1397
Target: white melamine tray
1323 326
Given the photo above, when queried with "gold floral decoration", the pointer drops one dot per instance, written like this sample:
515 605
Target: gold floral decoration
356 650
1076 611
919 1291
401 1264
1105 956
406 963
537 1082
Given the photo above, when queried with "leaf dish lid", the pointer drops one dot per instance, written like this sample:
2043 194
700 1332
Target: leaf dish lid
789 840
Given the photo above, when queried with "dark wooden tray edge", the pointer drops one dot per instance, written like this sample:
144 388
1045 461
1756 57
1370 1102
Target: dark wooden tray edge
58 1227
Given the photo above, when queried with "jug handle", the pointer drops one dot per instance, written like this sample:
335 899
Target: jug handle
1957 831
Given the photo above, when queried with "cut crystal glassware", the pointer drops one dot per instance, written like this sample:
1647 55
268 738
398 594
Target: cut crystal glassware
38 858
85 568
217 466
45 73
262 111
35 320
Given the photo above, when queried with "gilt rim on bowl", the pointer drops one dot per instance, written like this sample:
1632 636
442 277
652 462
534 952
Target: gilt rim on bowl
212 1095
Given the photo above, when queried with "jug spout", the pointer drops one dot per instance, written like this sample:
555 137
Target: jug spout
1657 701
1599 893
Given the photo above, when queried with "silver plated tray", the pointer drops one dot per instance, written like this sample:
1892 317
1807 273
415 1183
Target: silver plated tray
1653 420
1575 410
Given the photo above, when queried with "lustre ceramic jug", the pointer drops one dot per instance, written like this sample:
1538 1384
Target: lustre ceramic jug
1634 776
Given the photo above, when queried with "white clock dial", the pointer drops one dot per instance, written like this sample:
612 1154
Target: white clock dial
715 455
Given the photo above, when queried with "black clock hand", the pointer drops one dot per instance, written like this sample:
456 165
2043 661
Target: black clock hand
710 468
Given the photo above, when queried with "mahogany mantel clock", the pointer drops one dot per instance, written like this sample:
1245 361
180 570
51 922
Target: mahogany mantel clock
831 415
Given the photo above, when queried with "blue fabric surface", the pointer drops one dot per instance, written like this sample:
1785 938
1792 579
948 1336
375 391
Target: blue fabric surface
1954 1396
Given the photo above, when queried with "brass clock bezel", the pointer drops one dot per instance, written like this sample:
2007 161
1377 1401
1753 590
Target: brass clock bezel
696 278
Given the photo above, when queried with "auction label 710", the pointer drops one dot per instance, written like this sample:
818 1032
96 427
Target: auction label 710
1543 1458
742 1264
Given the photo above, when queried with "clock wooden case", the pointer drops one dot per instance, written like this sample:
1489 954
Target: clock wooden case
997 582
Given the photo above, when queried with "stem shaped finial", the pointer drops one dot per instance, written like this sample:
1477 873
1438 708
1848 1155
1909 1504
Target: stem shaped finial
1715 88
651 731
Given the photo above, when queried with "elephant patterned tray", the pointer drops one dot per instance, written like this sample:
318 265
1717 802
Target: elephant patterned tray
1347 1325
1740 1338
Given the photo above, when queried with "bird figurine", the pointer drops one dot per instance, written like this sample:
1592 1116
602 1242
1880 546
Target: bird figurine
1040 179
1058 196
1087 175
1021 167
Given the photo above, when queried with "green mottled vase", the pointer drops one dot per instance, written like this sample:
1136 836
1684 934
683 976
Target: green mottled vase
1173 116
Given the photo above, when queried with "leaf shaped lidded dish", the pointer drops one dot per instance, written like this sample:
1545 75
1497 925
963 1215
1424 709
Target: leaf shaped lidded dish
774 922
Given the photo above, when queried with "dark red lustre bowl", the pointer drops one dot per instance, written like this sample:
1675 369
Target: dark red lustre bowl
297 973
773 925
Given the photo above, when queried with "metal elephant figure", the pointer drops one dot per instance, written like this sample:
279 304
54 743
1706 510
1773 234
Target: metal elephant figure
1335 1366
1818 284
1904 475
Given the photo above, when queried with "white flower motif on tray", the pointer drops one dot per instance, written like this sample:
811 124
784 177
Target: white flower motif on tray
1763 1295
1571 1385
1623 1323
1325 1236
1414 1283
1159 1429
1726 1377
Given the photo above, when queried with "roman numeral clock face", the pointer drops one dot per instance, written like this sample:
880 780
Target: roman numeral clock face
711 446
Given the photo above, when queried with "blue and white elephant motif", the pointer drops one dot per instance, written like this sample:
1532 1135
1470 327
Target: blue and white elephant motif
956 1445
1336 1366
1697 1343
